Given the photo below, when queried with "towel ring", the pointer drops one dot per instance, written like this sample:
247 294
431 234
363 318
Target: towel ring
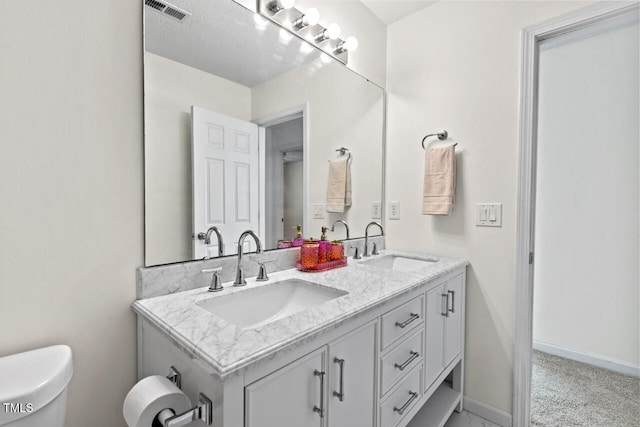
344 150
442 135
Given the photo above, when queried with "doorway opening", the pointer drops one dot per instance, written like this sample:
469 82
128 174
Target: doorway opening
283 160
568 226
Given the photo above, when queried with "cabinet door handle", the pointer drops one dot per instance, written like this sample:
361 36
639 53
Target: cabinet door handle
414 316
453 301
414 356
404 407
340 394
320 409
445 305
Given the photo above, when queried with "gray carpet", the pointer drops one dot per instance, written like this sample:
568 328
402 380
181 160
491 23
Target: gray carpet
566 393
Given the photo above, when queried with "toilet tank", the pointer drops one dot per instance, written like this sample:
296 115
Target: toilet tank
33 387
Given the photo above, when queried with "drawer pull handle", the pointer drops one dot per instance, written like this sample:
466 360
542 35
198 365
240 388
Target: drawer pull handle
320 409
453 301
414 316
414 356
404 407
340 394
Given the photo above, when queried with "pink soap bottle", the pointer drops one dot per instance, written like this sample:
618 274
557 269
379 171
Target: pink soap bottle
299 240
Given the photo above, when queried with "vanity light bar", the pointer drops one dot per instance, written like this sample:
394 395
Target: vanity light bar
307 27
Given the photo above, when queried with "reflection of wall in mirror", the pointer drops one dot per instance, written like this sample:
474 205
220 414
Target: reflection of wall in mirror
343 110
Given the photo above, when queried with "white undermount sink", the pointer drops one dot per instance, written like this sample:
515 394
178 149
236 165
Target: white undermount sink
400 263
256 307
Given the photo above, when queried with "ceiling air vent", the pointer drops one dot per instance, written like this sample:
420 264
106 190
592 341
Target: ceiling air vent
167 9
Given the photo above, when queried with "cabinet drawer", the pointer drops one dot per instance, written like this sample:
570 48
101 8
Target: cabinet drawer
400 321
402 400
400 361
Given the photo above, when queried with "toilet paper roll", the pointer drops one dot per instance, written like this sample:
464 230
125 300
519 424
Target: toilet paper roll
149 397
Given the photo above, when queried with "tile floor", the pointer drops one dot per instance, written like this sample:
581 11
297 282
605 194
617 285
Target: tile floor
466 419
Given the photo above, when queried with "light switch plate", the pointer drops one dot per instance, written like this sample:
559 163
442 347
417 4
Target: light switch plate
489 214
376 210
394 210
318 210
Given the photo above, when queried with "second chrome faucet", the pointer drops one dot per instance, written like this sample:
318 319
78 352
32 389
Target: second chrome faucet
366 239
240 279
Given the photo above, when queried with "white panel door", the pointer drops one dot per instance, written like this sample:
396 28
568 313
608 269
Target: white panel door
225 180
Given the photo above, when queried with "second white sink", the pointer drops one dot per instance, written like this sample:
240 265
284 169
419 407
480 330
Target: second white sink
258 306
400 263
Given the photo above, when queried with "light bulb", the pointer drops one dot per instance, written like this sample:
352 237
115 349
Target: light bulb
285 36
260 22
332 32
350 44
311 17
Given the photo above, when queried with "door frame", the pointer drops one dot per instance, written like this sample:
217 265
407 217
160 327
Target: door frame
273 119
531 37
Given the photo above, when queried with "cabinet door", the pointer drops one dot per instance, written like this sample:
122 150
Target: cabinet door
352 360
434 331
453 323
288 396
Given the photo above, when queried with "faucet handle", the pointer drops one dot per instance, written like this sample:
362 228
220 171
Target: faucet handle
356 254
262 273
374 250
216 281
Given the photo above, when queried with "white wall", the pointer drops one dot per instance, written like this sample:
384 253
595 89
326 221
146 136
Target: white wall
587 260
343 110
170 90
456 65
71 192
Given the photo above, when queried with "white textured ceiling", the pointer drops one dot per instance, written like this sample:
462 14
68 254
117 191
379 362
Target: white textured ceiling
222 38
390 11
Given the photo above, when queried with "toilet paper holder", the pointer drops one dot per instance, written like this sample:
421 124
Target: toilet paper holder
175 377
203 412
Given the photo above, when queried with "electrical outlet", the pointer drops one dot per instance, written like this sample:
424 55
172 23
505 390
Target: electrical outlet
318 211
376 210
394 210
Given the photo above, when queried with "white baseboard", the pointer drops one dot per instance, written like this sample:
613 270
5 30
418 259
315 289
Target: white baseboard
590 359
487 412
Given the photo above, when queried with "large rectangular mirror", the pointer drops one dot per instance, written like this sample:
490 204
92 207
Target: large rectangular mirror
242 123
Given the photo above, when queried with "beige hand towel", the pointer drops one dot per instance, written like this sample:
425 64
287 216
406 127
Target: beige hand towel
439 180
338 186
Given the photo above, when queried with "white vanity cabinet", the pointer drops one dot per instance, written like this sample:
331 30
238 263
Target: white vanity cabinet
396 364
333 386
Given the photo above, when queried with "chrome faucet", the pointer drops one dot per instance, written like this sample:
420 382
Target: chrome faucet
366 237
240 281
207 239
343 223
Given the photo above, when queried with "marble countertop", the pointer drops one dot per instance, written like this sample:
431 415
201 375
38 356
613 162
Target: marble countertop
226 348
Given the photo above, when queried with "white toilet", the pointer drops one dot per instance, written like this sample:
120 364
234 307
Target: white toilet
33 387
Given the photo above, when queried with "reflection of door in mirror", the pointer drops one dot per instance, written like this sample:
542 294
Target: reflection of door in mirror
225 180
283 180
